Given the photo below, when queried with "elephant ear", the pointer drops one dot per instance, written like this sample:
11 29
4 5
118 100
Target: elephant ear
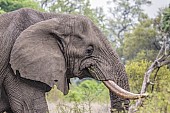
37 54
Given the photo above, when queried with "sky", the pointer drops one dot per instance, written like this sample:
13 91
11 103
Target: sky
150 10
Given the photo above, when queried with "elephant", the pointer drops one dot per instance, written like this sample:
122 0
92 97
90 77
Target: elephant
39 50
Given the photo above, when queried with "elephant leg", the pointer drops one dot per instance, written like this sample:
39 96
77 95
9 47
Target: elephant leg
38 95
4 103
24 97
4 106
9 111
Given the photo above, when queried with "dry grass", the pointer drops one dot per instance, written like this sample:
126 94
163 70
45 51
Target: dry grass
66 107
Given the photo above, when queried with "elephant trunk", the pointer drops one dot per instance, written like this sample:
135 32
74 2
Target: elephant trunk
121 92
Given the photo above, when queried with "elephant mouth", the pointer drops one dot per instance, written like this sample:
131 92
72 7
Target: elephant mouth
91 70
112 86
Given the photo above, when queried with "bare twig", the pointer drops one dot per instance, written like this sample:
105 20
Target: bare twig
154 80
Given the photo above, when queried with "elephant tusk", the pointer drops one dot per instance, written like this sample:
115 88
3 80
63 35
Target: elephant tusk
121 92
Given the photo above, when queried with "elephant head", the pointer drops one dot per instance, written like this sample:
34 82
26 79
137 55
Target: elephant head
67 46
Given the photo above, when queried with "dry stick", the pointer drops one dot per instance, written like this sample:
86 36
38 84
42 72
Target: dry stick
159 62
155 75
146 81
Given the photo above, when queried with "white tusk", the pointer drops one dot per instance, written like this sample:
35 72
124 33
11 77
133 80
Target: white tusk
121 92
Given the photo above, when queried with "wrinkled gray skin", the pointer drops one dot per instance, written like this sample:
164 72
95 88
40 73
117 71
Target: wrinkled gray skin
38 50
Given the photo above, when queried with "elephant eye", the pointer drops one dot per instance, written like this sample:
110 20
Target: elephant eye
89 50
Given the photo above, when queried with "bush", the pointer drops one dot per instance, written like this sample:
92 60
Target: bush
159 100
82 98
85 91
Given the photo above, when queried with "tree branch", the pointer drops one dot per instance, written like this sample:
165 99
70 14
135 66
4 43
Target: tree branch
154 80
161 60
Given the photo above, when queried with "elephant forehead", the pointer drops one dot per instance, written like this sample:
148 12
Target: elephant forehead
73 25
